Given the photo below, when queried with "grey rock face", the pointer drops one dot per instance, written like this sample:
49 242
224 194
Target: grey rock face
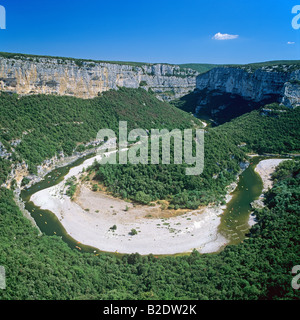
256 86
3 152
89 79
291 97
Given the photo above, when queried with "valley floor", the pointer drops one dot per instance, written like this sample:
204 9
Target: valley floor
89 219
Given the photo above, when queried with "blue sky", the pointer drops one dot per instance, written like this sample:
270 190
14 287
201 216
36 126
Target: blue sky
169 31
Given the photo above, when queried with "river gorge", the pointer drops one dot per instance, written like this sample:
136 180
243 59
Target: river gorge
85 224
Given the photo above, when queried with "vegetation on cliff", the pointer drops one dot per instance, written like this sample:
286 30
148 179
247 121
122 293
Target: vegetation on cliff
199 67
275 66
63 60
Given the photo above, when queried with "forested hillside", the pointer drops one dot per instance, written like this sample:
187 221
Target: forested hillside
44 267
259 268
40 126
272 129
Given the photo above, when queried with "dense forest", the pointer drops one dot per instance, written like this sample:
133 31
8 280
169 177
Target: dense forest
225 147
4 169
44 267
34 128
40 126
270 129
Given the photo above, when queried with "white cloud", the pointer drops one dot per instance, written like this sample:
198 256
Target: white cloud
290 42
224 36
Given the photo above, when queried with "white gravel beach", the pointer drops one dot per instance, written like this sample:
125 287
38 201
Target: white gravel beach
89 218
195 229
265 168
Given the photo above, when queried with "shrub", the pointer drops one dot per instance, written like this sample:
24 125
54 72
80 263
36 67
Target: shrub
133 232
95 187
25 181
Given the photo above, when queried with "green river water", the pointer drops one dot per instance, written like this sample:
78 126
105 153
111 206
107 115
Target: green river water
47 221
234 221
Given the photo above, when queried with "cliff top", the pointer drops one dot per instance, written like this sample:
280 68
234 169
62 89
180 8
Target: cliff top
270 66
31 57
87 62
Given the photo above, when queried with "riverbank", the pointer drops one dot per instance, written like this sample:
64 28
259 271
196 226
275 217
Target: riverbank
265 169
91 222
99 220
91 216
47 166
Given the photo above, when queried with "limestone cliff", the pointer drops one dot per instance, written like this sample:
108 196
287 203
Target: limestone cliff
291 97
256 85
87 79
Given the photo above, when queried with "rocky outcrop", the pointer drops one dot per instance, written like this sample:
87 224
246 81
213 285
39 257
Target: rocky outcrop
87 79
291 96
256 85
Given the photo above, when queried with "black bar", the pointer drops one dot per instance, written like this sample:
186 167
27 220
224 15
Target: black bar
131 309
